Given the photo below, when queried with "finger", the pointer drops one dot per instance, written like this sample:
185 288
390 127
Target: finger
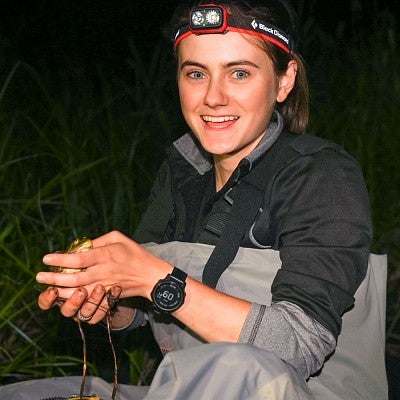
70 260
64 293
71 306
109 238
113 298
93 302
48 298
80 278
110 299
100 313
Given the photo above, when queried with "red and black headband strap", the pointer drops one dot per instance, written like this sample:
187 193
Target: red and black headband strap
211 19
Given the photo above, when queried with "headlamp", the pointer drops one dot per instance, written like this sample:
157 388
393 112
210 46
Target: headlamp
208 19
212 18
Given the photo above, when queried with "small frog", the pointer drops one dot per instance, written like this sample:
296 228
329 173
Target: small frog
79 245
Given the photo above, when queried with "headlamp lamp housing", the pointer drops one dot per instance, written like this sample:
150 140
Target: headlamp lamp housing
208 19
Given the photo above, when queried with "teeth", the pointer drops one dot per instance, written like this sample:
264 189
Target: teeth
209 118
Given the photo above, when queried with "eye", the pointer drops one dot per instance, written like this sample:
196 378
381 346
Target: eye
195 75
240 74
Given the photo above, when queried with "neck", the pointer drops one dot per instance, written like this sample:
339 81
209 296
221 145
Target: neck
225 164
224 167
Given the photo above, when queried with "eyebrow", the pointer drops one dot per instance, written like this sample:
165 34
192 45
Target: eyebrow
235 63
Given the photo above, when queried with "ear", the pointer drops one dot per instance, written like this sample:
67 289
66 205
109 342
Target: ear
287 81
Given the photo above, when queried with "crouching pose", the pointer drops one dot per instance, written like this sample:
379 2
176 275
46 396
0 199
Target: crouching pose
256 239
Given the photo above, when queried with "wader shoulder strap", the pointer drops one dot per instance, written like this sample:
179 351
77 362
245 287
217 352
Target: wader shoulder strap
249 195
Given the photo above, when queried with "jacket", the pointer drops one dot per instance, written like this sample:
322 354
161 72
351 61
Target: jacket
315 211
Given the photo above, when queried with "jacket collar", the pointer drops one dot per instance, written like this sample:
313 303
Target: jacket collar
191 150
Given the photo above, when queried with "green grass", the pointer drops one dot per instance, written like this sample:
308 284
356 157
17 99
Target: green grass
74 161
78 155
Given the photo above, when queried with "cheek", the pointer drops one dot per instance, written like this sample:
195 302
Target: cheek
185 97
261 100
188 106
190 99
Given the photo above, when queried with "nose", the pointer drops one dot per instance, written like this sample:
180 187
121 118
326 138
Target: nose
216 94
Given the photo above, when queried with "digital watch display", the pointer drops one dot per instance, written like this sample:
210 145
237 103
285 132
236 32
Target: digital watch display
169 293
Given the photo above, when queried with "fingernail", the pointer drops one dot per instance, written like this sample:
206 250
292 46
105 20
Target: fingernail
47 259
81 293
40 277
117 290
99 288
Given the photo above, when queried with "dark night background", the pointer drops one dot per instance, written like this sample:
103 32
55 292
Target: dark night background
62 37
87 32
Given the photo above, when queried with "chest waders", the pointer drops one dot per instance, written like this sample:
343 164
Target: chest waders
356 370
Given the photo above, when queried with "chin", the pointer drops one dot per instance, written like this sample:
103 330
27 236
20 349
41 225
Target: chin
217 149
216 146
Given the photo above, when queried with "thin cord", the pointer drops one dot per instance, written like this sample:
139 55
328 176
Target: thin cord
115 385
84 367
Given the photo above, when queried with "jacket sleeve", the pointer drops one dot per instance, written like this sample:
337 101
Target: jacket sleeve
323 224
288 331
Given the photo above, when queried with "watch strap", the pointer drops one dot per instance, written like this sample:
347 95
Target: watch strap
179 274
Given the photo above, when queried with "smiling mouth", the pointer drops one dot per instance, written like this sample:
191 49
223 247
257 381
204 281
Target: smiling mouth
226 118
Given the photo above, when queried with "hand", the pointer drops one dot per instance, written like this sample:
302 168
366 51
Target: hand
94 306
114 259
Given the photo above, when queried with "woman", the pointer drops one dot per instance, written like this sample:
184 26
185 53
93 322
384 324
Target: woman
244 187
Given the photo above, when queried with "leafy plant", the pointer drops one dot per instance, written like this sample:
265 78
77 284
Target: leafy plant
71 165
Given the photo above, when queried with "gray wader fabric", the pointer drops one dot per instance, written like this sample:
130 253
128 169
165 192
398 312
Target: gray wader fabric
196 370
66 386
226 371
356 370
211 371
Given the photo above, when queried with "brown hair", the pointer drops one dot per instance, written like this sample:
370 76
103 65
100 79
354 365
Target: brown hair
295 109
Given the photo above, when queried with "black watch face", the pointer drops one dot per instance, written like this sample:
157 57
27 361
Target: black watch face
168 296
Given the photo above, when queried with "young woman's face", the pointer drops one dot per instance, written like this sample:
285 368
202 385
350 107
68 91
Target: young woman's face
228 91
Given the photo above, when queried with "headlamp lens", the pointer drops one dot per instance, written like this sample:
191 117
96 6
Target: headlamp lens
207 17
198 18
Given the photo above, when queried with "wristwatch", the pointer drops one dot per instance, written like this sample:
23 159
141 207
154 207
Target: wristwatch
169 293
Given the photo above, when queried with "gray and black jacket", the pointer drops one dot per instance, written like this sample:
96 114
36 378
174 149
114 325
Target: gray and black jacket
314 211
